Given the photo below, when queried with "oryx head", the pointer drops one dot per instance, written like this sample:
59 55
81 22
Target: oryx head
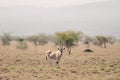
61 49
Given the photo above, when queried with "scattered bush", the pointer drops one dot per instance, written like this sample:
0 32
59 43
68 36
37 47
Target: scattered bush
6 38
39 39
22 43
87 40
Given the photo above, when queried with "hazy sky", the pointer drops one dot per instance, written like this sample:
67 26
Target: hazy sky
45 3
90 16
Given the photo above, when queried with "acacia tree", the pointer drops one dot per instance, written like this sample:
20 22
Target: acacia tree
71 38
102 40
67 39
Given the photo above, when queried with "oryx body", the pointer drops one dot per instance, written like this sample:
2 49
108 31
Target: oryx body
54 55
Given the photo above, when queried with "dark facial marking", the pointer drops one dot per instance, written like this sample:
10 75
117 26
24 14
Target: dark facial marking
57 62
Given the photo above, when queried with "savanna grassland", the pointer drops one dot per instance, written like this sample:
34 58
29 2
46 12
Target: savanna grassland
30 64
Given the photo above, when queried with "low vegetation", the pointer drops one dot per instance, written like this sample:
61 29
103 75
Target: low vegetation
27 61
22 43
6 38
39 39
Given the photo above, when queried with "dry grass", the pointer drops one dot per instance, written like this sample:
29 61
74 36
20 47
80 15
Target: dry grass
30 64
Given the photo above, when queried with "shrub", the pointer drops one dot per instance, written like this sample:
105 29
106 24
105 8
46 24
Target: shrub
22 43
39 39
6 38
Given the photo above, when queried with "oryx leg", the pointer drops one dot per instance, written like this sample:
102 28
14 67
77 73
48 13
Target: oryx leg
49 61
57 63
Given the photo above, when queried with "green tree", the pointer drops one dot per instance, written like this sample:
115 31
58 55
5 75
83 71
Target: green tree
67 39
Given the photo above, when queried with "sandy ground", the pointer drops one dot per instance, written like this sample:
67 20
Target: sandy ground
30 64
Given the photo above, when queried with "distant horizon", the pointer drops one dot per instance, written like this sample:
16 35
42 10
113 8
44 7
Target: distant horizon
25 35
